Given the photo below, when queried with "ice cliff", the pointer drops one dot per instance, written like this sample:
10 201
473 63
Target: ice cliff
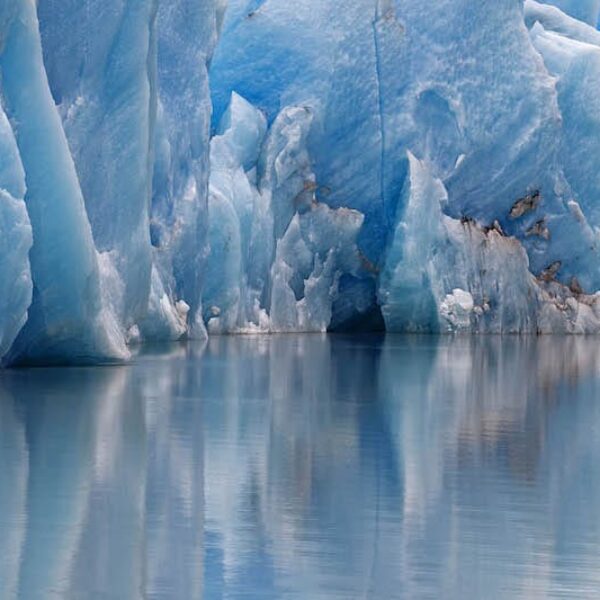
172 167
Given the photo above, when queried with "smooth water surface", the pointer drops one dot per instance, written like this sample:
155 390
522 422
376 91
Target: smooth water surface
309 467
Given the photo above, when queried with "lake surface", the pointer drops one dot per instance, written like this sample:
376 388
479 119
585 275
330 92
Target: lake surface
308 467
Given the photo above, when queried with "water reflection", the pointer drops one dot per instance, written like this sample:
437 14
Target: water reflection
307 467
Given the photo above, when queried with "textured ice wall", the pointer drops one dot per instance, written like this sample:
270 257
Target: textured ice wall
386 76
67 319
15 240
449 275
584 10
368 158
276 253
187 36
477 101
110 111
99 56
132 77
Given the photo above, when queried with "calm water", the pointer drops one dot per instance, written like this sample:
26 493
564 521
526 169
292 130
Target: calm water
307 467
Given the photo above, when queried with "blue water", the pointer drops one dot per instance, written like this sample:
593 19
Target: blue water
307 467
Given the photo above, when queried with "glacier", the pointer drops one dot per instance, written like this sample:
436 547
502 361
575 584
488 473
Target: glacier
173 169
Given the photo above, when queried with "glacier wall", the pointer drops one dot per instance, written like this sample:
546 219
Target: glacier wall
104 135
15 240
276 254
466 140
103 88
66 316
172 167
584 10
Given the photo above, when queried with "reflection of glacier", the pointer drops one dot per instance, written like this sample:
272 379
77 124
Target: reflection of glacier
453 471
306 467
101 485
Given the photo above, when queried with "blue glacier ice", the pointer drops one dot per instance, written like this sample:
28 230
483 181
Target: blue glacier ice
172 167
103 84
583 10
474 100
186 38
140 91
15 240
67 317
276 253
446 275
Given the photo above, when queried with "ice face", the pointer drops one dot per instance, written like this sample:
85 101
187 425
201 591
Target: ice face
571 52
471 95
187 35
319 55
583 10
103 81
66 320
15 240
382 77
277 166
449 275
277 254
138 87
444 274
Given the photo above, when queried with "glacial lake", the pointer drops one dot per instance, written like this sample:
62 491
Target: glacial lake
308 467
